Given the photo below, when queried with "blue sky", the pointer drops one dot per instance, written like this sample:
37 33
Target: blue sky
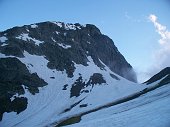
125 21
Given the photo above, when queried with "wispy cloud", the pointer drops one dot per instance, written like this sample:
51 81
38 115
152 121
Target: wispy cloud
161 57
127 15
133 19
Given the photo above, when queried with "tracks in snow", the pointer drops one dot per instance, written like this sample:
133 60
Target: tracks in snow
66 120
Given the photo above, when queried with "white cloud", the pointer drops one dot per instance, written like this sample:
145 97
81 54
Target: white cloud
153 18
161 57
162 30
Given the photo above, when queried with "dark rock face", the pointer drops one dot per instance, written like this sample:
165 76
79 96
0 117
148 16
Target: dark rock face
78 42
18 105
83 105
13 77
79 86
13 71
65 87
97 78
165 73
114 76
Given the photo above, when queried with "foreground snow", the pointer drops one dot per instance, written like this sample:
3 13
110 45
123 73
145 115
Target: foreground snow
47 107
149 110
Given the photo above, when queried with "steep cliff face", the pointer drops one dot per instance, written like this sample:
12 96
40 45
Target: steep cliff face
64 45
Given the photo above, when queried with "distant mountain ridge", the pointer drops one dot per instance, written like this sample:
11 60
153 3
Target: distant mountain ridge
163 76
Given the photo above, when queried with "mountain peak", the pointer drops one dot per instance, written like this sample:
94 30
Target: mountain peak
64 44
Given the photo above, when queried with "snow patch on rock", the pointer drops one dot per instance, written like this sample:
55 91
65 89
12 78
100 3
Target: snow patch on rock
64 45
4 44
34 26
53 39
3 39
70 26
25 37
57 32
58 23
88 42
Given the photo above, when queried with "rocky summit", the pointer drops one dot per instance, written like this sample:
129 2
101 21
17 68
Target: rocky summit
63 45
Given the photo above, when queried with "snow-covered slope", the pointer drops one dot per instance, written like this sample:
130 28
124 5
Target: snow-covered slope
52 102
149 110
